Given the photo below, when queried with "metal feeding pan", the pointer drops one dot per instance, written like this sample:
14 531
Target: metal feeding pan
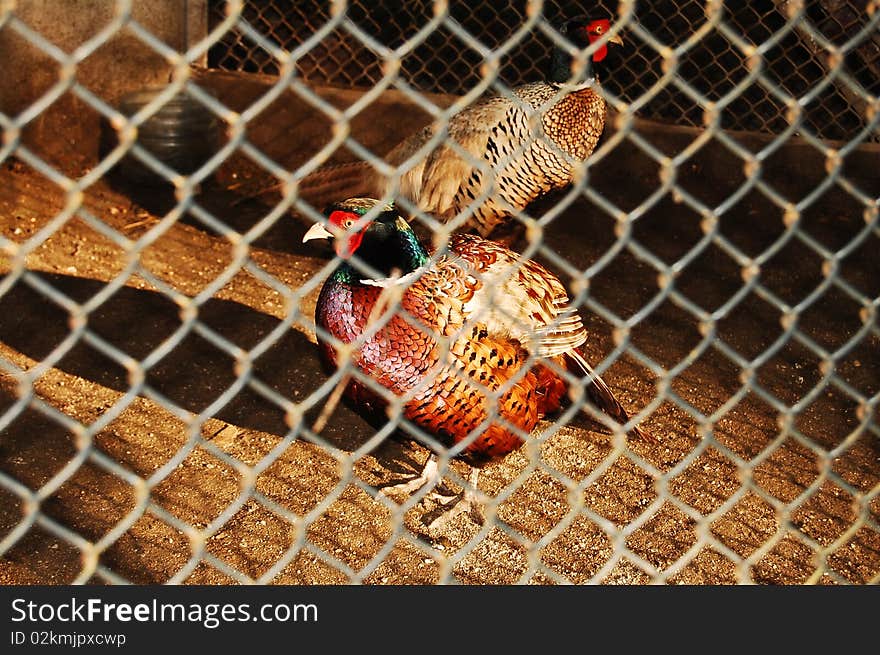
183 134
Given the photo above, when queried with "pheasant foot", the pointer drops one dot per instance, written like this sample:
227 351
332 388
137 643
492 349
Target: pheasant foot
430 474
452 504
466 501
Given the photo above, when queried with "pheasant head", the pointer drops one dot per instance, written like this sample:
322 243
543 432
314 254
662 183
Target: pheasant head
582 32
375 232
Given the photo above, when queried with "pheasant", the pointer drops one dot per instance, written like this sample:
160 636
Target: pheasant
481 324
510 160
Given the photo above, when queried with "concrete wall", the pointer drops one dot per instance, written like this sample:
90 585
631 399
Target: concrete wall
121 63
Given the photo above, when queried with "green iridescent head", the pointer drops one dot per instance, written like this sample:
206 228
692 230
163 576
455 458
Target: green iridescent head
372 230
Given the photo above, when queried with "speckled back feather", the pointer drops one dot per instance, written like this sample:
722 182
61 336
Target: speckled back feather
518 149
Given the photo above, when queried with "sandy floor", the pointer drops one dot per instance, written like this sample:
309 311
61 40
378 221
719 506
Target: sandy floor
730 498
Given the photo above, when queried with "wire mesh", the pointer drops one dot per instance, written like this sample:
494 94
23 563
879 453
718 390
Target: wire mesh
784 493
444 63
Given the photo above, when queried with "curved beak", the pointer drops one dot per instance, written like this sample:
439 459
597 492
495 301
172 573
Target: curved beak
317 231
616 40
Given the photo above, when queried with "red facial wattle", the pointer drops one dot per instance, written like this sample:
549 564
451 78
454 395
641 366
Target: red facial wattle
343 221
595 30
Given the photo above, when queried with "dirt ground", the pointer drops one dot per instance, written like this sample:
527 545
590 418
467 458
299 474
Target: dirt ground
735 497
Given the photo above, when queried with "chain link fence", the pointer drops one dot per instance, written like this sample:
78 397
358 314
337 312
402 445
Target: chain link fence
164 413
713 68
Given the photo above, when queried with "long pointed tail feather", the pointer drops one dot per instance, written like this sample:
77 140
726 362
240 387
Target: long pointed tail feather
602 396
331 182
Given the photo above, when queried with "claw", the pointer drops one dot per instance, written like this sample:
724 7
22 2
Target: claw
429 474
466 501
454 504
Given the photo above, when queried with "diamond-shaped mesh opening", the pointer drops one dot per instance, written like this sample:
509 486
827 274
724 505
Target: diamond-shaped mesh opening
706 484
243 543
708 565
577 553
22 561
91 502
747 526
665 538
34 465
622 493
203 477
864 539
790 560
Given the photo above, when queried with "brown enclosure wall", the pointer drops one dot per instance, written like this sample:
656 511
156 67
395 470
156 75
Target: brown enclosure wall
116 64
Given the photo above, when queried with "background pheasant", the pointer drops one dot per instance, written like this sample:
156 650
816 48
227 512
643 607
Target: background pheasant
482 321
511 160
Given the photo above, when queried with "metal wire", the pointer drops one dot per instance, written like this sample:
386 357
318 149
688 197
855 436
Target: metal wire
448 60
782 68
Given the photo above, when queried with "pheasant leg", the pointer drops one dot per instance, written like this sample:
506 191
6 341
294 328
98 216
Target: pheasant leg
430 474
454 504
466 501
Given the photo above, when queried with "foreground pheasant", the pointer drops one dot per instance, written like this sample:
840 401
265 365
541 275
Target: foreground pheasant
511 159
481 321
